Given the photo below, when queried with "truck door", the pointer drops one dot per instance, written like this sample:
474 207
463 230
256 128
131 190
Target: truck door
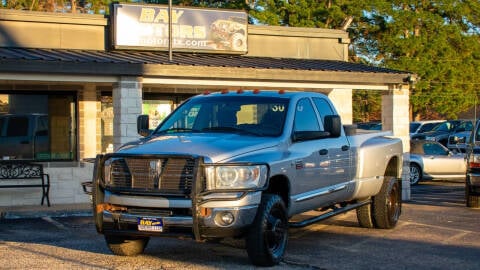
341 165
323 170
307 159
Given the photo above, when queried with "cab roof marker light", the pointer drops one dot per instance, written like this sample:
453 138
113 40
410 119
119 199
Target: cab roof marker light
239 91
256 91
206 92
224 91
281 92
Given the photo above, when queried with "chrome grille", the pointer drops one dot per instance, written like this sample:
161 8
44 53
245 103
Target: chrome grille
166 175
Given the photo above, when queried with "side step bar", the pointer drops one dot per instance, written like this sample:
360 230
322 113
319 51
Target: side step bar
324 216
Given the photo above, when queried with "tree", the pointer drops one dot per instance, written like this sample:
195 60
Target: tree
305 13
438 40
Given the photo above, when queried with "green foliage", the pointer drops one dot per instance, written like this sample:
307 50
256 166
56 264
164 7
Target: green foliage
305 13
367 106
438 40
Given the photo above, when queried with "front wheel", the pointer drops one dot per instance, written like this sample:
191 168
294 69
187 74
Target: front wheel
125 245
266 239
387 205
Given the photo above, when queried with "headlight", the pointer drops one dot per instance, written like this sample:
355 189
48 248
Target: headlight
236 177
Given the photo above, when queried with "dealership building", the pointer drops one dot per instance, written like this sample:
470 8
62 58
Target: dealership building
83 80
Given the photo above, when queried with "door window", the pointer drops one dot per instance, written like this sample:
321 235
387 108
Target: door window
305 117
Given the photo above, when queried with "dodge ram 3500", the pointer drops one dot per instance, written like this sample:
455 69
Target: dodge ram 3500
242 164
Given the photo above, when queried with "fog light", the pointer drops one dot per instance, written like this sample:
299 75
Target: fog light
224 219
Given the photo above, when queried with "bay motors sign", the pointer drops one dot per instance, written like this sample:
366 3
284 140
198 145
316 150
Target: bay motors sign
147 27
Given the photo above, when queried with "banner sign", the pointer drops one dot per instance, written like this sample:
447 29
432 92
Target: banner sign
146 27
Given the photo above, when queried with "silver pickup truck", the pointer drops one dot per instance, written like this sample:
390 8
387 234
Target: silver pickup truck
242 164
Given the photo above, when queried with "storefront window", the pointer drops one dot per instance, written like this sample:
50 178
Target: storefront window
157 110
37 127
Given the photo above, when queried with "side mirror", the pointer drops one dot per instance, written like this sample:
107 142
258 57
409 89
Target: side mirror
333 125
143 125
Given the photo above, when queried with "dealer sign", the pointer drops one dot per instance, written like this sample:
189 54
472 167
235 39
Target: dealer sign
146 27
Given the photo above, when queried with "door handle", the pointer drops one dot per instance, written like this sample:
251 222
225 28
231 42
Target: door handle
345 147
323 152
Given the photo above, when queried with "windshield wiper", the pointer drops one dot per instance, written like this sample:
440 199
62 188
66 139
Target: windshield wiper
231 129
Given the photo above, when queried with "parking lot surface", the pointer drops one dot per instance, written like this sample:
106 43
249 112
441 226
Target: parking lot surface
436 231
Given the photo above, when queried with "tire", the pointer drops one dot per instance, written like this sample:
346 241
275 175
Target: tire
365 217
266 239
125 245
473 201
387 205
415 174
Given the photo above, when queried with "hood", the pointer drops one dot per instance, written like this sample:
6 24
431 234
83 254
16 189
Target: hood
215 147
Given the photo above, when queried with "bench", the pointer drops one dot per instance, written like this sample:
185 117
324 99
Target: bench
23 174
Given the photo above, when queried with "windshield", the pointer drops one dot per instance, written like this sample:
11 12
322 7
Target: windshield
250 115
414 127
446 126
428 127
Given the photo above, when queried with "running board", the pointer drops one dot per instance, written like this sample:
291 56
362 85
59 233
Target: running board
324 216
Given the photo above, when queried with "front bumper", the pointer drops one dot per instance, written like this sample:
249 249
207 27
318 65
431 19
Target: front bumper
121 214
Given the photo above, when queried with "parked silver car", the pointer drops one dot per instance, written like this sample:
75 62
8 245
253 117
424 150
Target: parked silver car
432 160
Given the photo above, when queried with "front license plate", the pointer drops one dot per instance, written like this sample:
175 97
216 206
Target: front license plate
150 224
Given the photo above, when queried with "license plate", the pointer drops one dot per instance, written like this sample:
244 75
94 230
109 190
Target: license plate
150 224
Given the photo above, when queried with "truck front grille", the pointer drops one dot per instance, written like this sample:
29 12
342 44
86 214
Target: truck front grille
170 175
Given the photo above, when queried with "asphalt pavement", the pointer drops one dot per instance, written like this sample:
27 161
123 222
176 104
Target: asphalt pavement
435 231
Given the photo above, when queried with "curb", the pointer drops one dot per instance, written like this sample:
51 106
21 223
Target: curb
66 210
60 213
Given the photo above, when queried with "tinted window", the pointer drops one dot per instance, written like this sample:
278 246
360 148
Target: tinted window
2 121
305 117
428 127
323 107
413 127
434 149
17 126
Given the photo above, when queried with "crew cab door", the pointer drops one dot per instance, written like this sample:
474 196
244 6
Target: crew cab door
322 164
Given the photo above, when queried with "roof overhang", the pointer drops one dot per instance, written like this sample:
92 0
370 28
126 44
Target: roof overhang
193 70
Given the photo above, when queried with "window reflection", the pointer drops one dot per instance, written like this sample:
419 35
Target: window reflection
38 127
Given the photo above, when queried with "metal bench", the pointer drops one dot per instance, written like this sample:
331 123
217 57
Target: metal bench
22 174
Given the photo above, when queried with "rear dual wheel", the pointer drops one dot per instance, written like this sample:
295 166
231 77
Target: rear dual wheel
473 201
385 209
